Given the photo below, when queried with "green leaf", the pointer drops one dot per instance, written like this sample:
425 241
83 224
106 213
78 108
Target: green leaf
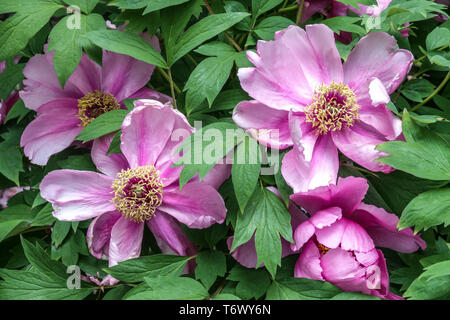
425 154
203 149
68 42
127 43
215 49
171 288
210 264
135 270
11 155
42 262
9 79
417 89
15 32
114 147
203 30
226 296
149 5
102 125
266 214
60 231
346 24
154 5
251 283
301 289
207 80
245 170
85 5
25 285
436 270
18 110
428 209
173 23
437 38
266 29
428 289
261 6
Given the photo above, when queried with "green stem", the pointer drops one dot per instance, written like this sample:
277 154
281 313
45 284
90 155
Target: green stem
435 92
172 88
299 12
166 76
292 8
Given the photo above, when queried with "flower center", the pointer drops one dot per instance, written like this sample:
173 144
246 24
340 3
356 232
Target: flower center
138 192
333 107
322 249
95 104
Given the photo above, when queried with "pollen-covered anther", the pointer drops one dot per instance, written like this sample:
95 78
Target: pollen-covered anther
322 249
333 108
95 104
138 192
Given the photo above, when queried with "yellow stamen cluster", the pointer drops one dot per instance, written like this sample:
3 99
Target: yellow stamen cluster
322 249
333 107
138 192
95 104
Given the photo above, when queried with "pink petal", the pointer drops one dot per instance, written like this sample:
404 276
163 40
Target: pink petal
326 217
358 143
295 170
382 227
375 56
54 129
77 195
126 240
109 164
382 120
41 84
341 269
313 200
326 53
308 264
123 75
245 254
367 258
302 234
269 126
169 235
217 175
324 163
197 205
291 67
378 93
99 234
145 132
348 194
147 93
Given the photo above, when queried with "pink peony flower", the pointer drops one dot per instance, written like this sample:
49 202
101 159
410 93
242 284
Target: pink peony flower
317 104
89 92
246 255
6 105
338 241
138 187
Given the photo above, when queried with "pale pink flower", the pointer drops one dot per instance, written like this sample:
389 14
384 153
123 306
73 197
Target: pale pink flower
138 187
90 91
338 241
317 104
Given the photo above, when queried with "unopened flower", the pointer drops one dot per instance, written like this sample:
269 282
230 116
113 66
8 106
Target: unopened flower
90 91
316 103
138 187
339 240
